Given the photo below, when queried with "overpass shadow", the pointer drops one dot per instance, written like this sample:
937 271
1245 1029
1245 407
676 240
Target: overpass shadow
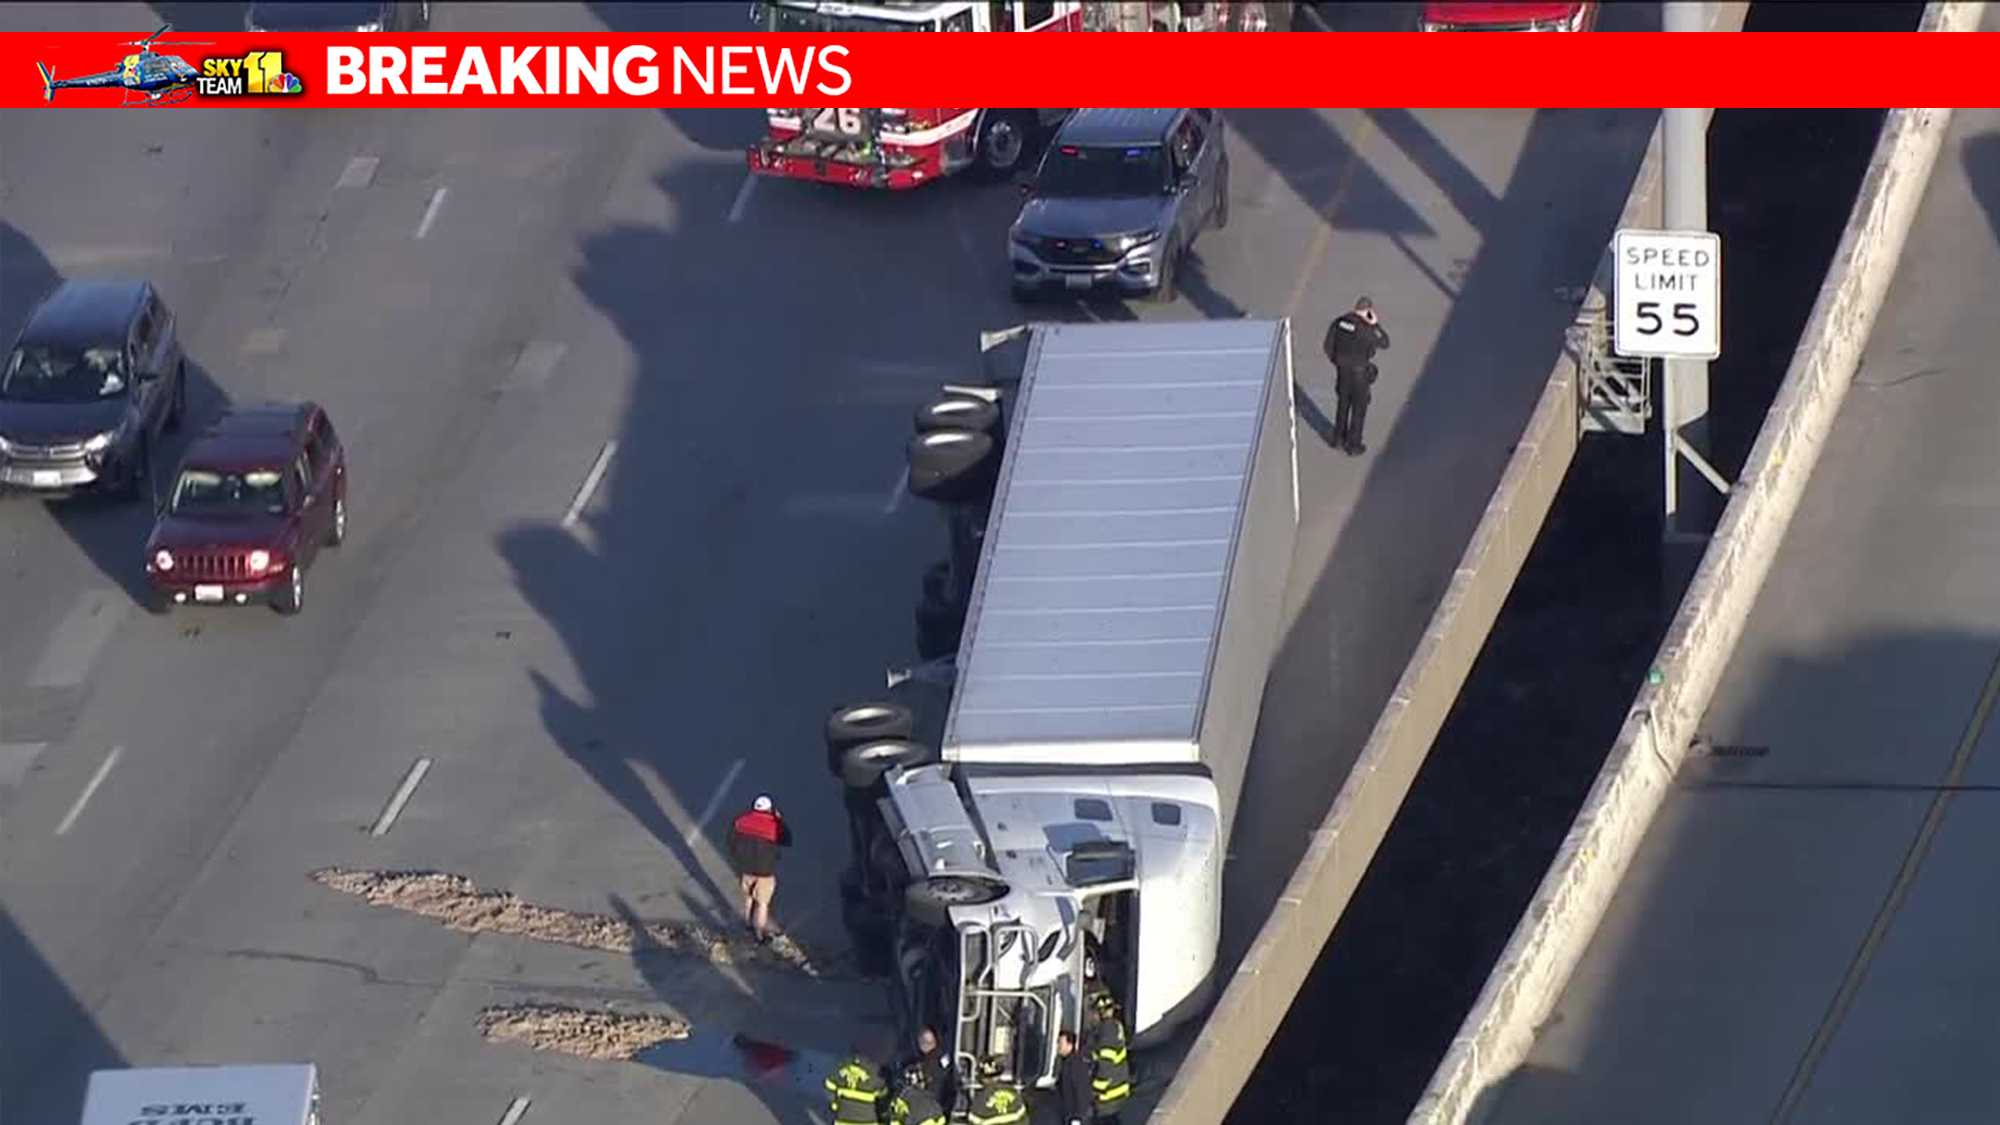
49 1043
1981 155
1754 895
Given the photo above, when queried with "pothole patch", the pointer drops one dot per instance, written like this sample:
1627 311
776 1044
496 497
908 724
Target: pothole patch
459 903
590 1033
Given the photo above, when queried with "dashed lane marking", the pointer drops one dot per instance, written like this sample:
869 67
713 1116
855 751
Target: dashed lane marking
402 797
535 364
359 173
74 646
516 1110
590 483
709 810
743 195
83 798
431 212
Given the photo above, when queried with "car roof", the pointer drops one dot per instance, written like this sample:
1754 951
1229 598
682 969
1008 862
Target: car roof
263 436
1118 126
98 310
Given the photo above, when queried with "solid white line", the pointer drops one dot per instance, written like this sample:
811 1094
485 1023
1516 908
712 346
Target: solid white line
715 802
431 212
402 797
897 493
96 780
590 483
743 197
515 1111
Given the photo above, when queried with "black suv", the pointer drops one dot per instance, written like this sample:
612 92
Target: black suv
92 380
1118 200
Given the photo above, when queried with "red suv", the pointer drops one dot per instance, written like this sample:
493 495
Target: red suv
255 499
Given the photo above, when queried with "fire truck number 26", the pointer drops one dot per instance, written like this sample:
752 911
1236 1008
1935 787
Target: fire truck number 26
847 122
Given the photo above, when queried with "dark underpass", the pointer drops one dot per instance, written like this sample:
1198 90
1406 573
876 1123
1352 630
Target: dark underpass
1546 697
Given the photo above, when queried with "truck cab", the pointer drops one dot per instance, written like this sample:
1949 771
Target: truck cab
1022 890
1509 15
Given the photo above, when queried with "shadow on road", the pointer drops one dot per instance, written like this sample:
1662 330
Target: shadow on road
45 1022
1981 155
720 130
111 533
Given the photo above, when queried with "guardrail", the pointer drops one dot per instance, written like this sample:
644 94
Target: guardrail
1566 909
1260 991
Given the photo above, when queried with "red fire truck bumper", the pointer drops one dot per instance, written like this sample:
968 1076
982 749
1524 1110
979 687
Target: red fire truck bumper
770 159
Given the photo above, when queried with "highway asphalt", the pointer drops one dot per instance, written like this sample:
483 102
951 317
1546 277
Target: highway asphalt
487 302
1807 931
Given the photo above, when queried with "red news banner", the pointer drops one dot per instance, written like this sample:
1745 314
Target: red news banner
757 69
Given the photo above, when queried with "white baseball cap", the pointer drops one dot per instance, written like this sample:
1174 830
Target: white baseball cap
762 803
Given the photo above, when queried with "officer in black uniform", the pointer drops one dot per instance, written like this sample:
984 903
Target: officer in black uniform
1351 343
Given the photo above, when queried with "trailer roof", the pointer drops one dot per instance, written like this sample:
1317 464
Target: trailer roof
278 1093
1100 591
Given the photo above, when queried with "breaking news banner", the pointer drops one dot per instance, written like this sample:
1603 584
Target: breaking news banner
761 69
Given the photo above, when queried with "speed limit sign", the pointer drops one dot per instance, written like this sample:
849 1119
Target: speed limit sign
1669 303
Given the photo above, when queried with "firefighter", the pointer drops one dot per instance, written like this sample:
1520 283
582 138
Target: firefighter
855 1090
915 1103
999 1100
1351 343
1110 1061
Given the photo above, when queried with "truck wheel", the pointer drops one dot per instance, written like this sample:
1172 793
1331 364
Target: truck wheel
929 903
958 412
862 766
1001 144
865 722
951 466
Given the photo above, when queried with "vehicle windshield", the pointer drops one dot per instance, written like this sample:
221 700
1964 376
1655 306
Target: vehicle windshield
1075 171
63 374
781 18
207 493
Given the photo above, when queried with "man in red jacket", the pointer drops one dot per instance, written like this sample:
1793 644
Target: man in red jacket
753 847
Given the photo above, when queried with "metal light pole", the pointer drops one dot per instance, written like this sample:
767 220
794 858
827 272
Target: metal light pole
1691 497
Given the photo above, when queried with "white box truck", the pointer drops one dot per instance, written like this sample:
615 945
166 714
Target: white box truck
1122 620
283 1094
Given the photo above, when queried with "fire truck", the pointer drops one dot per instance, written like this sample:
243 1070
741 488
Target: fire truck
906 148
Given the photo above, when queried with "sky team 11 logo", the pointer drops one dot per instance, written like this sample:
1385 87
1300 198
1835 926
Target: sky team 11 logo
256 74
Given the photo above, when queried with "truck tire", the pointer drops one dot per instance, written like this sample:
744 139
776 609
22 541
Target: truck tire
865 722
862 766
1001 143
952 466
929 903
958 412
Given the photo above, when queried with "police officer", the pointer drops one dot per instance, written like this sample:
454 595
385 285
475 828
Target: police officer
1110 1061
914 1103
999 1100
1351 343
855 1091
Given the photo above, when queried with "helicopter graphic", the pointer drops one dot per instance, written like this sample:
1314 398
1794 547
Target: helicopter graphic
147 77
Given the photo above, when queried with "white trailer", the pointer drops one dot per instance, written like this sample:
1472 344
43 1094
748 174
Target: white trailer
1123 617
284 1094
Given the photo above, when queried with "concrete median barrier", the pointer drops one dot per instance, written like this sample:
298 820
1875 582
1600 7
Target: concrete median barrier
1257 995
1567 907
